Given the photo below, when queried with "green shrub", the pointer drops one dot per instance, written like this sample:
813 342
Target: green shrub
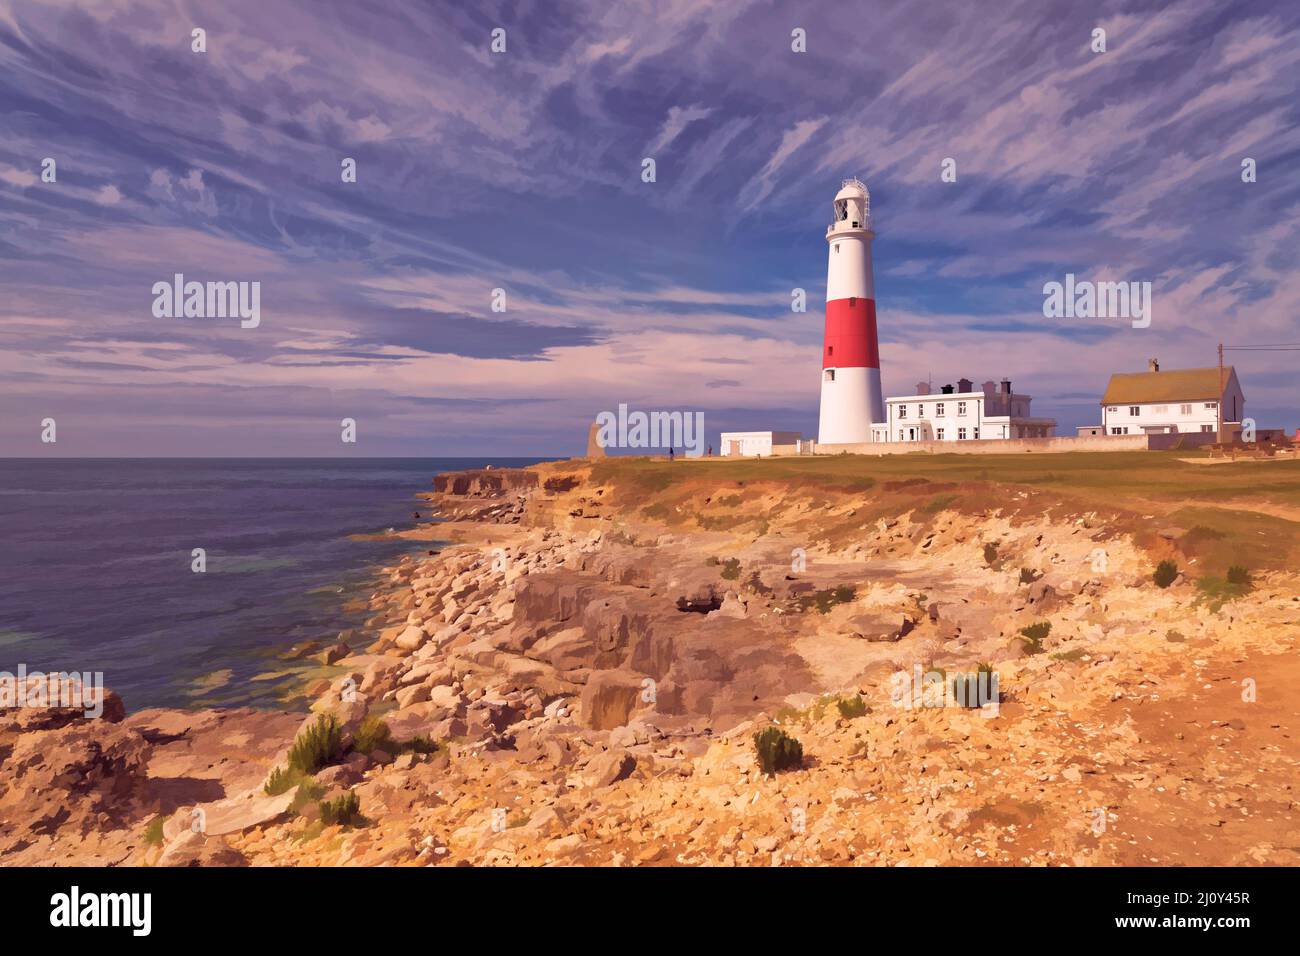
777 750
966 686
731 569
343 810
1165 573
281 781
937 504
826 599
851 707
374 734
153 833
317 746
1033 636
422 745
309 791
1218 591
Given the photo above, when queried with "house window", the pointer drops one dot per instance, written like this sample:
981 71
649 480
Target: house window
1162 409
1184 409
830 375
1207 428
961 434
1134 410
975 433
902 411
938 433
961 410
1211 405
900 434
938 409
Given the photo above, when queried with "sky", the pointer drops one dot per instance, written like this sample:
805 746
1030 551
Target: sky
522 171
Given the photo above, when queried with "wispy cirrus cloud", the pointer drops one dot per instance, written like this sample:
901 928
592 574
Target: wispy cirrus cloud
521 171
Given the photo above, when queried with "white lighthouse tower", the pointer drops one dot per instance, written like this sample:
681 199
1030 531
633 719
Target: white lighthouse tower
851 395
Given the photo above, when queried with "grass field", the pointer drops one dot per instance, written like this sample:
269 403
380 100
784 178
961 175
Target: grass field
1245 512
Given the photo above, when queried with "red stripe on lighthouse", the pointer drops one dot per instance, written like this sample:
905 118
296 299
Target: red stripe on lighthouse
851 334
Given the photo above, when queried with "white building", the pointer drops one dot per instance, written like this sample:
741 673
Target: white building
1177 401
760 443
961 414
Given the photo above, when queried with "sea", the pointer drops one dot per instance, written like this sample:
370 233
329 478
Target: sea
97 567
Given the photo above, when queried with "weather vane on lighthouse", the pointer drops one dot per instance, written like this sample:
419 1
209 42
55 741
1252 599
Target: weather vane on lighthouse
851 395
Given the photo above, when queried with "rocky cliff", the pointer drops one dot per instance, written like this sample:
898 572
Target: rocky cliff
578 678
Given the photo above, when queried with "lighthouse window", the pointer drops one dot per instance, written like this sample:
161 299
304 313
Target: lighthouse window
830 350
855 225
830 375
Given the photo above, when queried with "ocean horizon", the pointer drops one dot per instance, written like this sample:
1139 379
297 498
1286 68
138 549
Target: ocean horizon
97 569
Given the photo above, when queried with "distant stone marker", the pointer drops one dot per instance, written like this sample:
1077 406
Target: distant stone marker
594 449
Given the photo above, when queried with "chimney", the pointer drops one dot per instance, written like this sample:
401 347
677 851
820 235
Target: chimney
947 389
1006 386
963 385
922 388
1153 365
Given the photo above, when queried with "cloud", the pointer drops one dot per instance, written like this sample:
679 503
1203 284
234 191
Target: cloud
520 171
792 140
21 178
675 122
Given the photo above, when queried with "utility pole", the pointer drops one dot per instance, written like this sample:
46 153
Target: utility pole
1219 413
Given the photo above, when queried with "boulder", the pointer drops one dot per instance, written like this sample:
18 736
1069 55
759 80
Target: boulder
609 698
608 768
412 638
414 694
82 776
232 815
333 653
195 849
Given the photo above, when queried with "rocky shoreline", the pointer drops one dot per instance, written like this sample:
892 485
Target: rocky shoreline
577 677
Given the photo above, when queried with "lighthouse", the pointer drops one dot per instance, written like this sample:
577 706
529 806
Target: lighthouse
851 395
